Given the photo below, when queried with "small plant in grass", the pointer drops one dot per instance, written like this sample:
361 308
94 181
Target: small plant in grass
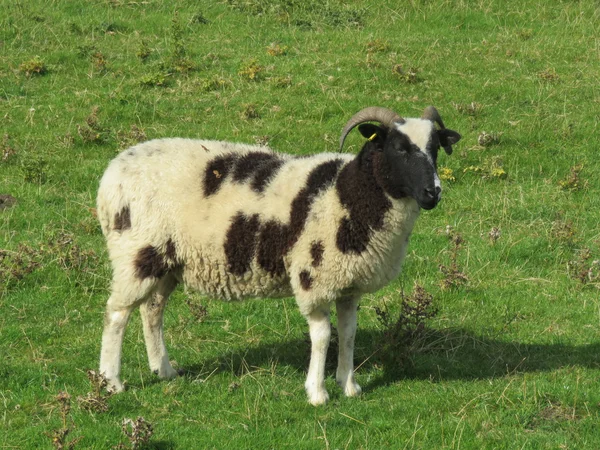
92 131
492 168
404 334
199 19
68 254
250 112
446 174
156 79
15 265
563 231
572 182
549 75
135 135
199 311
277 50
215 83
486 139
583 268
454 277
99 61
7 151
34 168
59 437
494 234
472 109
282 82
252 71
138 431
179 59
407 75
34 66
144 51
377 46
6 201
97 399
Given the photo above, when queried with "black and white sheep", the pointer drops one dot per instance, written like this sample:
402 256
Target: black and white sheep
236 221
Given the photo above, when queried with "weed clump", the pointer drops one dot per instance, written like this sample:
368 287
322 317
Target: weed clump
492 168
34 66
583 268
377 46
563 231
135 135
252 71
138 431
486 139
406 75
143 51
96 400
199 311
549 75
494 234
99 61
68 254
7 151
250 112
573 182
92 131
7 201
179 59
15 265
34 169
404 335
446 174
215 83
454 277
156 79
277 50
472 109
60 435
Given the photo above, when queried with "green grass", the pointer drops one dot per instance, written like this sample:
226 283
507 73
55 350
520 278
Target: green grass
511 360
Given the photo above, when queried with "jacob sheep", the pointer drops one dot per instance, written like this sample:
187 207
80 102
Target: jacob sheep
236 221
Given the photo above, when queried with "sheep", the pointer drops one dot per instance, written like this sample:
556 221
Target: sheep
235 221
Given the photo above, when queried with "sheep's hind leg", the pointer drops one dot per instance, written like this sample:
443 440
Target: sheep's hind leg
346 312
124 299
152 311
320 333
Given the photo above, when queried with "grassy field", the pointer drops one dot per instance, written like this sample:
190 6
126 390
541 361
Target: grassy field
507 356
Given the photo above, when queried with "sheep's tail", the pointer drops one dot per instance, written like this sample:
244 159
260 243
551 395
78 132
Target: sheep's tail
110 203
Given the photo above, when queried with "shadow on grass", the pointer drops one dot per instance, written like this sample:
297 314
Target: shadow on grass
438 355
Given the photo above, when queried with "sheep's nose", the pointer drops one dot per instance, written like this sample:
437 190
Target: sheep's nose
434 193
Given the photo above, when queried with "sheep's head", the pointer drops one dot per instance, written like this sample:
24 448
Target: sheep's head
408 150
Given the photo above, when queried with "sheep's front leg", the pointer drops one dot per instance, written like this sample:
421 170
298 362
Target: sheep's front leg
320 333
152 312
346 312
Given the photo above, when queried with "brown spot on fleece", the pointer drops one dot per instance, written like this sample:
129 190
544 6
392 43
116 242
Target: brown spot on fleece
365 200
150 263
277 239
215 173
240 243
305 280
316 252
123 219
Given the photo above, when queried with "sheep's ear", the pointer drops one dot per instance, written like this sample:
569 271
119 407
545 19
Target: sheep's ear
448 138
371 132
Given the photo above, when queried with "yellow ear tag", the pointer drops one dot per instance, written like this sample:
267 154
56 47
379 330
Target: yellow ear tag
372 138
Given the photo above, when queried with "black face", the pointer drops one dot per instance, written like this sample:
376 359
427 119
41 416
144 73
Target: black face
413 173
406 170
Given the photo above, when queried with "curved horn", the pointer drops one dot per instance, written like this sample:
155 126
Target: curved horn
432 114
371 114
